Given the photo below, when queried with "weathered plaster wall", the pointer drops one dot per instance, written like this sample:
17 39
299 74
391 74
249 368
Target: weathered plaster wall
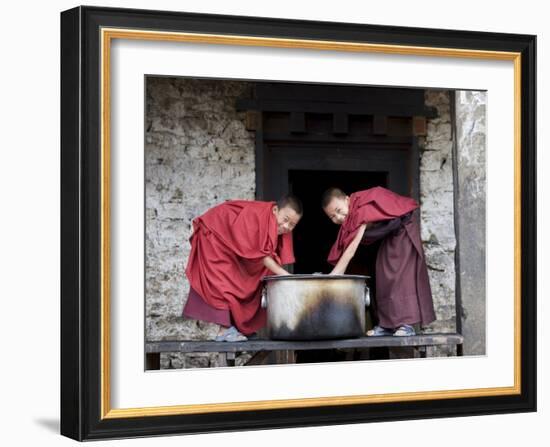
197 154
471 200
437 210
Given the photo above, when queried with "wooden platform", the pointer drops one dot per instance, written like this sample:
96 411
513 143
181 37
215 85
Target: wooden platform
261 348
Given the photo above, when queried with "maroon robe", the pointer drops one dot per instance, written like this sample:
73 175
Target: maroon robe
403 294
225 266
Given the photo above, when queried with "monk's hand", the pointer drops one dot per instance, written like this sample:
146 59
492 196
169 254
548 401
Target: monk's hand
349 252
273 266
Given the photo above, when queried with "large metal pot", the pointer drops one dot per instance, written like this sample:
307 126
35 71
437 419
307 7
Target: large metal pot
313 307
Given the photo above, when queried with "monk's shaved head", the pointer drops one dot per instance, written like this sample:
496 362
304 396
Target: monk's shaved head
335 204
288 212
290 201
331 193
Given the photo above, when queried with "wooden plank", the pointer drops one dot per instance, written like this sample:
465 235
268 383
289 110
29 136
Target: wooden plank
340 123
274 345
403 110
252 120
338 93
297 122
389 141
419 126
379 125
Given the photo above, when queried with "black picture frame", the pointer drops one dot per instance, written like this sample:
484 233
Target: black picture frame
82 208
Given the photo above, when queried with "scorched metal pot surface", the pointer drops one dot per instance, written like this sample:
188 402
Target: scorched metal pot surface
315 307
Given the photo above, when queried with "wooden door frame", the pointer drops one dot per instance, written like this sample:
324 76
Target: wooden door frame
399 158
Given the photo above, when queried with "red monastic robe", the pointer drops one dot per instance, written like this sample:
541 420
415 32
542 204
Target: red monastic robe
225 266
403 293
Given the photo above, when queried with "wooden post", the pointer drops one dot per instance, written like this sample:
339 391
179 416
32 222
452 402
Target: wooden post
152 361
230 358
285 357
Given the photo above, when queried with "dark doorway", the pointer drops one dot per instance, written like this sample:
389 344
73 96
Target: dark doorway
315 234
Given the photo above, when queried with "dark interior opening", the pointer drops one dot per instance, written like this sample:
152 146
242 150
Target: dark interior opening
315 234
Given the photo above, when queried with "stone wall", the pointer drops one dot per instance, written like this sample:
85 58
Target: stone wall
197 154
437 210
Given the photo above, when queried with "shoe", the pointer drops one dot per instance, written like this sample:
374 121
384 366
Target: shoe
231 335
404 331
379 331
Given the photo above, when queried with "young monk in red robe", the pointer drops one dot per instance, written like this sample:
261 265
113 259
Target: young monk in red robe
403 294
233 246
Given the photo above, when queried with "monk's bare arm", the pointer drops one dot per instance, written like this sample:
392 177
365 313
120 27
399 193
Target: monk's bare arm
272 265
349 252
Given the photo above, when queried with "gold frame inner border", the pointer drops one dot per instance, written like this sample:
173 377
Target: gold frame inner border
107 35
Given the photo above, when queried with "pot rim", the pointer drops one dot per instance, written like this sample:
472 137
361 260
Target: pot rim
313 276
